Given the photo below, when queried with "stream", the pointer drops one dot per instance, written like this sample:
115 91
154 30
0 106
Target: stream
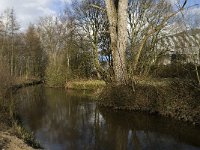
71 120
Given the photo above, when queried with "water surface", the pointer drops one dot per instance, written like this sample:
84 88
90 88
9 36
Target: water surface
70 120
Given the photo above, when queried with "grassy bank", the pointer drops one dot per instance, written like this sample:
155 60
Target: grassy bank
85 84
178 99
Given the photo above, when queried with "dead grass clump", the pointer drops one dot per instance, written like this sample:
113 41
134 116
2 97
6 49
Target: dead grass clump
85 84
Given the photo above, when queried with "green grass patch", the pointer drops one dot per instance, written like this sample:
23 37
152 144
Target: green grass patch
85 84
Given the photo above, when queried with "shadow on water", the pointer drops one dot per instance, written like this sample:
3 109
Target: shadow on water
70 120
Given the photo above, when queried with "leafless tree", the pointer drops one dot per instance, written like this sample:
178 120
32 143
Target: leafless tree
117 16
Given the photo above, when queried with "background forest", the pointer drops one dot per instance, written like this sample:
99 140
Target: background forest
76 44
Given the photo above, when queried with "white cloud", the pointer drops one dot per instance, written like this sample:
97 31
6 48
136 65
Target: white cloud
194 11
191 13
173 2
30 10
192 17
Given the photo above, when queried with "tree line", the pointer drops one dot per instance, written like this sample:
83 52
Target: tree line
109 40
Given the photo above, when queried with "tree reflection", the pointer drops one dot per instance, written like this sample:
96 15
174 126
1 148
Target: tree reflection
142 131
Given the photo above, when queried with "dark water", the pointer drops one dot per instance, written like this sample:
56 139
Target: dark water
70 120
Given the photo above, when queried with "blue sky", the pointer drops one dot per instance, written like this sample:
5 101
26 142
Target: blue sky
30 10
189 3
194 8
192 2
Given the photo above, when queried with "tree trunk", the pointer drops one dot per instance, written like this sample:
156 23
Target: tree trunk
117 16
138 54
96 60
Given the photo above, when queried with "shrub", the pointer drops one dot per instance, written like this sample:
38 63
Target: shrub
55 76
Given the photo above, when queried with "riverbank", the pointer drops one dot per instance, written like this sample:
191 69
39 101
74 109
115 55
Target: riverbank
16 87
12 134
178 99
14 137
85 84
9 141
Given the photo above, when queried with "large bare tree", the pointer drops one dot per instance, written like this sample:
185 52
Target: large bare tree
117 16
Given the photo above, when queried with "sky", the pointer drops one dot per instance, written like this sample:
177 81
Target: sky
31 10
192 5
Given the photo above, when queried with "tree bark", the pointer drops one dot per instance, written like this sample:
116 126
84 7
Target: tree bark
117 16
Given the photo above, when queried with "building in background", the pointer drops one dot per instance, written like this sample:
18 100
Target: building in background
183 47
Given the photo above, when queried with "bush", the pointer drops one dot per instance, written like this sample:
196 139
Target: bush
55 77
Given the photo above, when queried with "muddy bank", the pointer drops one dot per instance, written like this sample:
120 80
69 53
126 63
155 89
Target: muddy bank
177 99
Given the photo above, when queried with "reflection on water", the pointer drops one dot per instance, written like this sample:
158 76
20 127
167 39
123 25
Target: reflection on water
70 120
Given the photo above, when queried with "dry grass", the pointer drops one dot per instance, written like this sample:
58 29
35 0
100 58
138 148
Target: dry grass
85 84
